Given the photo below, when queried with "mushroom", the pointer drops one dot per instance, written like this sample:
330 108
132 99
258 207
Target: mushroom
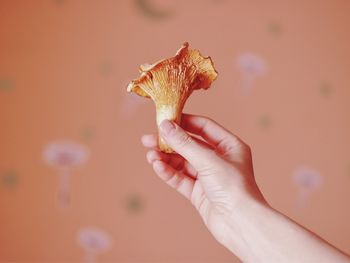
307 180
250 66
65 155
94 241
171 81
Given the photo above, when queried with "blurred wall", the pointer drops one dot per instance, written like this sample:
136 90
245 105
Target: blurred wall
75 185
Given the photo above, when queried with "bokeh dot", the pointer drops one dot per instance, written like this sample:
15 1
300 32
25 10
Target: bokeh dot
6 85
87 133
9 179
264 121
150 10
105 68
135 203
275 29
325 89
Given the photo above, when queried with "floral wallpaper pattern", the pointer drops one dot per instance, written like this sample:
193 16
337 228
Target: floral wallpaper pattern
74 182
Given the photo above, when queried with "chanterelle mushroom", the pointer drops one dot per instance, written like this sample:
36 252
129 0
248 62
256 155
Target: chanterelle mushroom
171 81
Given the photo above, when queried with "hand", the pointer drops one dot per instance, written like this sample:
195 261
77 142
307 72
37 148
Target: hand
215 172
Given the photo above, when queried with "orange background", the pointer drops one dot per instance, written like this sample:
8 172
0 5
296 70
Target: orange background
64 67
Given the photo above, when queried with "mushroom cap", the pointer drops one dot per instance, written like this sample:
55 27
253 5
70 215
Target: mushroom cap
307 178
172 80
94 239
65 154
251 64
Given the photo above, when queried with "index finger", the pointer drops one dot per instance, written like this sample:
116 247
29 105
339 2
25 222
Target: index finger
220 138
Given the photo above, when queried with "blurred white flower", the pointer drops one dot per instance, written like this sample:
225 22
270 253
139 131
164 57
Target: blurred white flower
250 67
94 240
65 154
307 178
251 64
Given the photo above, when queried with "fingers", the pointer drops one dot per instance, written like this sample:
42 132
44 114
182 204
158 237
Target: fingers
150 141
174 160
183 184
224 141
199 156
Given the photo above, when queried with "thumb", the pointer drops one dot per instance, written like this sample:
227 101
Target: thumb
199 156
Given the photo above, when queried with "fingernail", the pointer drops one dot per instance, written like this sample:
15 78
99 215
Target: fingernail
149 157
152 156
166 127
143 140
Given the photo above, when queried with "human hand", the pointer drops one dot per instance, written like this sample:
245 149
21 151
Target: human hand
215 172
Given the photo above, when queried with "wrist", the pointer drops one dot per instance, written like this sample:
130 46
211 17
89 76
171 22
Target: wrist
242 223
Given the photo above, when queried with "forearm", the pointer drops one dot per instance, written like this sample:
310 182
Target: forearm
259 233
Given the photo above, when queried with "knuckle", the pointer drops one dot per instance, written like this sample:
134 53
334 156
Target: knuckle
247 151
212 164
227 145
184 140
207 119
247 148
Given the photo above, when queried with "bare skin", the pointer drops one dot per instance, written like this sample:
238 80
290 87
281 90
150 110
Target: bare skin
215 173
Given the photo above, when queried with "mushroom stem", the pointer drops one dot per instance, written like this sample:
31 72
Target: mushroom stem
167 112
63 191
